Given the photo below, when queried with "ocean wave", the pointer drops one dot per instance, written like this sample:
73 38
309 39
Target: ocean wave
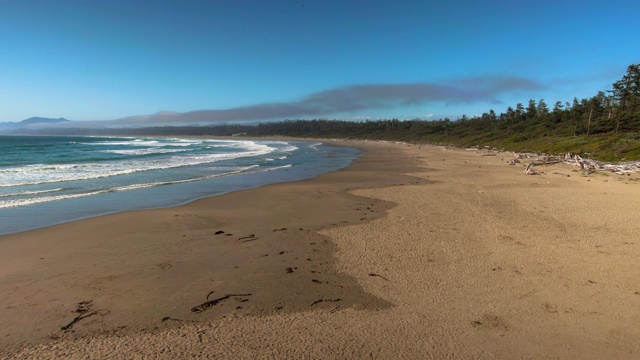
24 202
173 182
27 193
147 142
279 167
55 173
288 148
136 142
148 151
37 200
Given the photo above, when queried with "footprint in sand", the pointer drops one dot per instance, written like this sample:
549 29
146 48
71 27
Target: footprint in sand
491 321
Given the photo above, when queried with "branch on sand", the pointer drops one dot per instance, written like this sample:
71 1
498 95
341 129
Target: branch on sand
529 170
378 275
324 300
209 303
84 310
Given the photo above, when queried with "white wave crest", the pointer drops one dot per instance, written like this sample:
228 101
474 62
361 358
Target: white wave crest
23 202
31 201
53 173
288 148
147 151
35 192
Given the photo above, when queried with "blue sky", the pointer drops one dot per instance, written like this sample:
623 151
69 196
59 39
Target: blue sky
262 60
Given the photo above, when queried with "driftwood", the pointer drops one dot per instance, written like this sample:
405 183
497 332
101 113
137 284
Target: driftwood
209 303
78 318
584 165
378 275
84 310
324 300
168 318
590 166
529 170
548 160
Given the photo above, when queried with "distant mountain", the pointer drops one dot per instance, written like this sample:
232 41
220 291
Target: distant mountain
41 120
7 127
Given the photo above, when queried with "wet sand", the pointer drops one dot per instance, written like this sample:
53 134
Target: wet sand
411 252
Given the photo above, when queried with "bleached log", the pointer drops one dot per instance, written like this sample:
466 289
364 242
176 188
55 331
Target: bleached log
530 171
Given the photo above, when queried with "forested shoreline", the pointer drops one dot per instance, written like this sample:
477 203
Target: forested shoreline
604 127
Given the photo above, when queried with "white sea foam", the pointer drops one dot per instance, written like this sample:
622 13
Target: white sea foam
148 142
289 148
136 142
285 146
53 173
162 183
147 151
279 167
23 202
34 192
38 200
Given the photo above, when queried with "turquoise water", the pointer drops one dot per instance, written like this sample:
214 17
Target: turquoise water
47 180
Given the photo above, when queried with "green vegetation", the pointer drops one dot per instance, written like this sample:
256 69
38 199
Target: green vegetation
605 127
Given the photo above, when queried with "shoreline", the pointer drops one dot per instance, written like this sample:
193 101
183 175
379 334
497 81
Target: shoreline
101 199
433 253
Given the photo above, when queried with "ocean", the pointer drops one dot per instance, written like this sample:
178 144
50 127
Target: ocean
48 180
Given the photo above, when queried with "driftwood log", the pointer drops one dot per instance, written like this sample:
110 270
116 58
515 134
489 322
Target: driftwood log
207 304
530 171
84 310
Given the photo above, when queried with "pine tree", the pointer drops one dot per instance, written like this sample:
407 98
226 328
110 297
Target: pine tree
532 110
626 94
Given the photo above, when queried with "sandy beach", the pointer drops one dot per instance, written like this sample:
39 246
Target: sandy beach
411 252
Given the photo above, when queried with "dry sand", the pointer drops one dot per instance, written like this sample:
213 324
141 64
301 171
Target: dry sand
432 253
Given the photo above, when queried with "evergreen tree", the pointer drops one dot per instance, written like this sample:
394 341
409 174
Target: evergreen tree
532 110
557 108
542 108
626 93
519 111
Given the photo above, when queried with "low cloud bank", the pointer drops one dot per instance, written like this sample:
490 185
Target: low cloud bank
344 100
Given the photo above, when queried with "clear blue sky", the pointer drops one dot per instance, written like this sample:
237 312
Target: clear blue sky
241 59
